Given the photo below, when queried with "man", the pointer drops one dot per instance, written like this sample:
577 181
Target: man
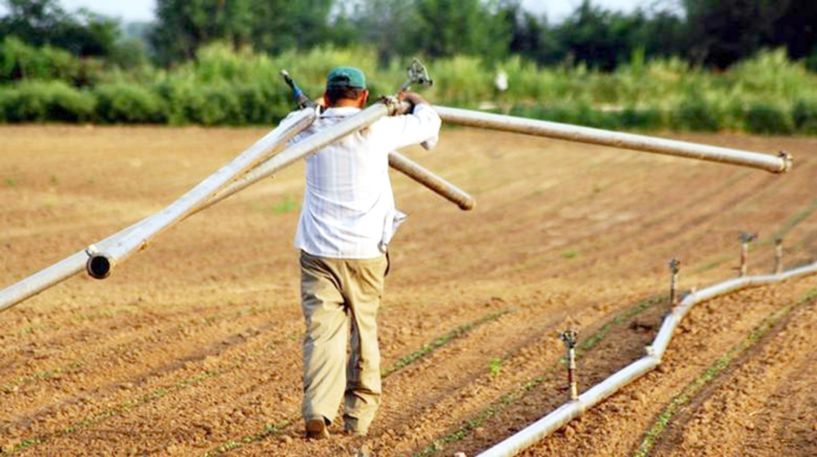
347 220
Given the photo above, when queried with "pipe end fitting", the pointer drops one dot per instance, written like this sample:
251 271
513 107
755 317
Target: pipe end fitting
98 266
468 205
788 161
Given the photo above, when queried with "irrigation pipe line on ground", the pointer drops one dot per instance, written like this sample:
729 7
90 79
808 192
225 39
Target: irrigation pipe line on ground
775 164
598 393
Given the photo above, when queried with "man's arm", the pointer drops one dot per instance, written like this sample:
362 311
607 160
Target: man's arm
421 125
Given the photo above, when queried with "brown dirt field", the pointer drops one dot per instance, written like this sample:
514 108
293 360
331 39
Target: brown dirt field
193 346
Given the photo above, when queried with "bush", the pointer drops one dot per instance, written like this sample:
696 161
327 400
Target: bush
577 114
768 118
212 104
804 115
644 119
261 104
4 96
128 103
48 101
21 61
696 114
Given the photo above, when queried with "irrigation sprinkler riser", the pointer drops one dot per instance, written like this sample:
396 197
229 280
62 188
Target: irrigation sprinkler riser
778 256
745 239
674 266
569 337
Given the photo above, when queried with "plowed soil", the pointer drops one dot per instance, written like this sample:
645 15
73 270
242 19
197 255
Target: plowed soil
192 347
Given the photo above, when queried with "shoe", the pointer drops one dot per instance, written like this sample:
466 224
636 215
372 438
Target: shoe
355 432
351 427
316 428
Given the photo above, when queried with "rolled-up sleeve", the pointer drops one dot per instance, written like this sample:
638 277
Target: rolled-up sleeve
421 126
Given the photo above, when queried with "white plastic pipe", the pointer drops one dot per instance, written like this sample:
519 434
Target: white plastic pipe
774 164
104 256
77 262
557 419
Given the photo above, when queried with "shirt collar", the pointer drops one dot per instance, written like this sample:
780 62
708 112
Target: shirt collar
340 111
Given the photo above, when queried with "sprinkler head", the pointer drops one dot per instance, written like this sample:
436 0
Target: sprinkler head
747 237
569 337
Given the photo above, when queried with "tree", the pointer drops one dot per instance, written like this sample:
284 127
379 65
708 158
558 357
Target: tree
721 32
445 28
596 36
268 25
44 22
185 25
284 24
796 28
387 24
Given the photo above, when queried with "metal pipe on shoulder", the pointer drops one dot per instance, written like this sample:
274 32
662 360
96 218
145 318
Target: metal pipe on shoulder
105 255
75 263
774 164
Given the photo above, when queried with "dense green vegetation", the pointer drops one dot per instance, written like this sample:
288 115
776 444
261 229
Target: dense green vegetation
216 63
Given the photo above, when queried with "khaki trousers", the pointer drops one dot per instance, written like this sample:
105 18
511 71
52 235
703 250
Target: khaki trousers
339 296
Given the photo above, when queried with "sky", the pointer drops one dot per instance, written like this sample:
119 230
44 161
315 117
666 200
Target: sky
142 10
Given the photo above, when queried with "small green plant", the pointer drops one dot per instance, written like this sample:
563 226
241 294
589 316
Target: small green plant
570 254
286 205
495 366
10 182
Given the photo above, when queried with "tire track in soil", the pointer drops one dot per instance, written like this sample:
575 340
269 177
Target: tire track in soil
616 426
763 403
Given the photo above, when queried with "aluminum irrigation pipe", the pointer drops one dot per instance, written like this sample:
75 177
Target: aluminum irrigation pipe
75 263
103 258
435 183
598 393
774 164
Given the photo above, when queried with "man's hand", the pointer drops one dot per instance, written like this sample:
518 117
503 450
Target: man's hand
412 97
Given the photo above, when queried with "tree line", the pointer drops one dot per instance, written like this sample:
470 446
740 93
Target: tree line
714 33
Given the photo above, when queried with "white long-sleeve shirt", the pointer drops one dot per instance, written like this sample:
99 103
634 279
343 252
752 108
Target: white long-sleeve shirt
348 209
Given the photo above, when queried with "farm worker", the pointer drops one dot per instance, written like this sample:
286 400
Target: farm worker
347 220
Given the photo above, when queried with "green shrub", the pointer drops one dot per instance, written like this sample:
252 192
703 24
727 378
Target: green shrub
3 102
260 104
221 105
696 114
577 114
804 115
644 119
768 118
21 61
208 104
48 101
128 103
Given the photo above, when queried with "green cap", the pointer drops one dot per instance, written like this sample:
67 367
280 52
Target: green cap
342 77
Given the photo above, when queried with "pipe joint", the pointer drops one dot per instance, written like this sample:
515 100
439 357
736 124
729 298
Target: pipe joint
787 159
